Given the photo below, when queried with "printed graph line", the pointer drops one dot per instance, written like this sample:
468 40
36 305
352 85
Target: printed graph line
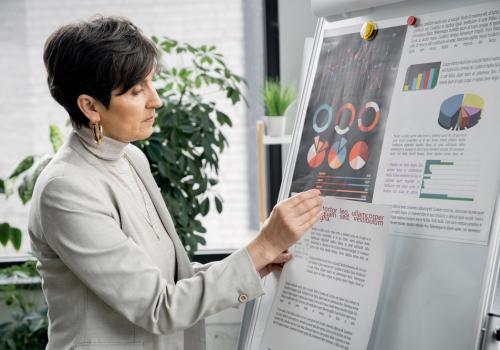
340 183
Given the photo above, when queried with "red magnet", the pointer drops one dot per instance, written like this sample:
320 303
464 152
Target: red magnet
411 21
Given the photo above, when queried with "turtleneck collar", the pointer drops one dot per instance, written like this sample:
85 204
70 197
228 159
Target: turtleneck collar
108 149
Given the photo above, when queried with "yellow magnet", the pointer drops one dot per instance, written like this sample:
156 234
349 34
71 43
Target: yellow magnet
368 30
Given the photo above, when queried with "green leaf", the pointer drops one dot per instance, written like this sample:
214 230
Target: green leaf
24 165
9 187
200 239
218 204
163 169
233 94
154 151
200 229
25 190
223 118
188 129
16 237
4 233
56 138
2 186
197 82
169 154
205 207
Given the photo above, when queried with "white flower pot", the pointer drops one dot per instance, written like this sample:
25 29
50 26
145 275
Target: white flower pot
276 125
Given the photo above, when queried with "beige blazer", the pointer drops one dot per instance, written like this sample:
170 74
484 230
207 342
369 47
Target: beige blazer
104 287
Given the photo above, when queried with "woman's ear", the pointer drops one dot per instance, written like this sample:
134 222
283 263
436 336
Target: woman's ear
89 107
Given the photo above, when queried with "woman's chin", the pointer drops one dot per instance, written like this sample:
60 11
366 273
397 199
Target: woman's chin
146 134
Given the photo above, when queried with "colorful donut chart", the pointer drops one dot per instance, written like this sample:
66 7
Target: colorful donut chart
374 123
352 109
328 109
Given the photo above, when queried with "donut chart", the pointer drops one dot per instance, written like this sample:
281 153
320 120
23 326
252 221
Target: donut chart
352 110
316 153
461 112
338 153
376 118
328 109
358 155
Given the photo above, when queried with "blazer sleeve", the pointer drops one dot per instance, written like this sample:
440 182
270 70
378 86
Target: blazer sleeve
78 224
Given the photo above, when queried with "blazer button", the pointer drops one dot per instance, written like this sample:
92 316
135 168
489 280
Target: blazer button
243 298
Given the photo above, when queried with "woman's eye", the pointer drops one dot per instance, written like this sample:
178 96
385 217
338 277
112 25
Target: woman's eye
137 92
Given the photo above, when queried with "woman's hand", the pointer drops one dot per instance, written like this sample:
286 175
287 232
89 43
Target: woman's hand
276 265
288 222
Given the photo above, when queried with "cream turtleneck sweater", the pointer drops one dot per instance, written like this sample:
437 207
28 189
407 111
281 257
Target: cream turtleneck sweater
110 153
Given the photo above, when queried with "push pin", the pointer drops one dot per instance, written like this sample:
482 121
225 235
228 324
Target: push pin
368 30
411 21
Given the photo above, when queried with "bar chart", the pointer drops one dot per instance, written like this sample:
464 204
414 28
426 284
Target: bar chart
450 180
422 76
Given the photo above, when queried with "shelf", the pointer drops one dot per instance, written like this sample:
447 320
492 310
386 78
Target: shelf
18 280
277 140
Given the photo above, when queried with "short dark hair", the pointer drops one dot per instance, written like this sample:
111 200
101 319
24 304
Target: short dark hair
95 57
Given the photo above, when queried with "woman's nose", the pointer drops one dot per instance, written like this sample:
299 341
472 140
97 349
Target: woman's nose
154 101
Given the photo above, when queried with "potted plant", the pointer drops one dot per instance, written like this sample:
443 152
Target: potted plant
185 147
277 99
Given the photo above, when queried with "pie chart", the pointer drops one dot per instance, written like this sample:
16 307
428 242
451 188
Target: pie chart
337 154
461 111
317 152
358 155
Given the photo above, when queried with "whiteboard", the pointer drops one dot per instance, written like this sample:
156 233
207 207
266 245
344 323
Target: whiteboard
435 293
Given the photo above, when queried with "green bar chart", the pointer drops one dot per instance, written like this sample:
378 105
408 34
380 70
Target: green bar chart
450 180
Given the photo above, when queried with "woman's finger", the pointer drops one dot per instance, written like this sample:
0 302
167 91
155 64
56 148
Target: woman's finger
305 217
302 196
307 205
310 223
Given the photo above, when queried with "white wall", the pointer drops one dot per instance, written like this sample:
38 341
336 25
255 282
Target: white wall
296 22
27 109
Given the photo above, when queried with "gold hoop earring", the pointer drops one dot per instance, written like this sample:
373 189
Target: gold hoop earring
97 131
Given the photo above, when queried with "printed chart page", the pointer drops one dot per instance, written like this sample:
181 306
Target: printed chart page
439 160
327 295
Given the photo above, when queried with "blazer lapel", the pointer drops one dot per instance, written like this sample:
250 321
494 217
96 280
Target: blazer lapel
184 268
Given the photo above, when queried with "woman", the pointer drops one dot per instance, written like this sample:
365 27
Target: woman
115 274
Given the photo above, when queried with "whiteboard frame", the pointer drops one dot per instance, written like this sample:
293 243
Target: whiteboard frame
491 272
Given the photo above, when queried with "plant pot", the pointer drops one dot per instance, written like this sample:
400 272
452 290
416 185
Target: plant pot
276 125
